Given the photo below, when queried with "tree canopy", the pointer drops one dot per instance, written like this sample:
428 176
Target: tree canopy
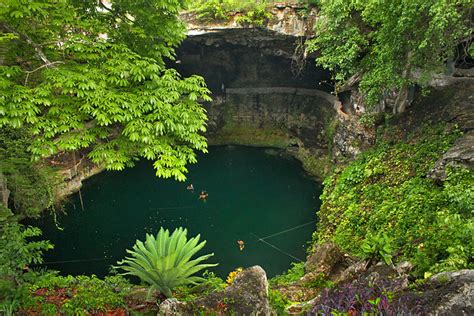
389 44
87 74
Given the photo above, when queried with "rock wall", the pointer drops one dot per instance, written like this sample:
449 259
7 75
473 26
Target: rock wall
288 18
260 97
73 168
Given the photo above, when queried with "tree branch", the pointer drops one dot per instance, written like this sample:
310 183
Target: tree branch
103 6
39 52
351 82
40 67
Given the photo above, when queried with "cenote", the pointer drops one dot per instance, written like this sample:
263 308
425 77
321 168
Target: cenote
253 193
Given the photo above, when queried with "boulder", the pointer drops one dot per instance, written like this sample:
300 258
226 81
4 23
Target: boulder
327 260
461 154
248 295
352 272
172 306
324 258
450 293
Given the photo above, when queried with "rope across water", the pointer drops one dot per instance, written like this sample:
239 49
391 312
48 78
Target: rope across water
261 239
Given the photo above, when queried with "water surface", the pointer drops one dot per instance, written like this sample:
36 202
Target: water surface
253 193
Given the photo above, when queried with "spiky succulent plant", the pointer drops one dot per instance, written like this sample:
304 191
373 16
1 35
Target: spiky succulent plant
164 261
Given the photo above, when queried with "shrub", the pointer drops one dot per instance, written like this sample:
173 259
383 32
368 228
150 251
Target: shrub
17 253
362 298
31 184
164 262
292 275
256 17
278 301
51 294
254 13
377 247
383 204
211 283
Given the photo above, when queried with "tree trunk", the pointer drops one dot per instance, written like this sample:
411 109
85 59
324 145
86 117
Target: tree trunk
4 192
402 101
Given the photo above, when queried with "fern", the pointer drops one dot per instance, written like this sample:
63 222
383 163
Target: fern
165 262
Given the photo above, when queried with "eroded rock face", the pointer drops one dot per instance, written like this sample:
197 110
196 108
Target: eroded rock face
461 154
351 138
459 110
248 295
172 306
450 293
290 19
260 97
292 113
329 261
324 258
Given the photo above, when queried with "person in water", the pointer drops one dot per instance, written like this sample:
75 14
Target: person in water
190 187
241 244
203 195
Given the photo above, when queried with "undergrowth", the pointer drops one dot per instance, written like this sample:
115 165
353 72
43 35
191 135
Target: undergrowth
50 294
366 298
250 12
292 275
383 206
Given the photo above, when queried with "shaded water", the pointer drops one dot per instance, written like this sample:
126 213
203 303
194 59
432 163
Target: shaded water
252 192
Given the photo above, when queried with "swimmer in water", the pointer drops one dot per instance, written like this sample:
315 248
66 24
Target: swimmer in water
241 244
190 187
203 195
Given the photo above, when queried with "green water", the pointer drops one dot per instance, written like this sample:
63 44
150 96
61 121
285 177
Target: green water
252 192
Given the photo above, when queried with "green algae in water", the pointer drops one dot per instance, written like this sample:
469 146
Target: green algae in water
251 193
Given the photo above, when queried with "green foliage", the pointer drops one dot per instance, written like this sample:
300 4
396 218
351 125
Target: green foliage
386 41
31 185
82 75
212 10
210 283
459 189
383 204
310 2
369 120
17 253
256 17
292 275
278 301
319 281
165 262
83 295
253 12
377 247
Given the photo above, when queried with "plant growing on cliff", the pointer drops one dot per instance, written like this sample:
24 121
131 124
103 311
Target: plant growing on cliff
31 185
377 247
88 74
385 194
389 45
292 275
164 261
16 254
252 12
256 17
363 298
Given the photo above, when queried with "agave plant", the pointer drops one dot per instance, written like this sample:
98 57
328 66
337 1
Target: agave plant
164 262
